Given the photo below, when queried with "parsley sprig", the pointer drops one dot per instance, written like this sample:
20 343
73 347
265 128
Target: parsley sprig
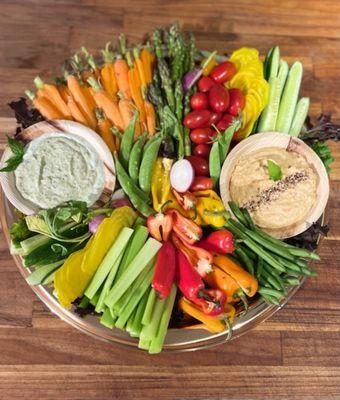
18 152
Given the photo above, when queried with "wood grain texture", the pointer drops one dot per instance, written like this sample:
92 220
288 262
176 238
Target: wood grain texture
293 355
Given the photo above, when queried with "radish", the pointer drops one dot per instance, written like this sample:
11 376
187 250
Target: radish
181 175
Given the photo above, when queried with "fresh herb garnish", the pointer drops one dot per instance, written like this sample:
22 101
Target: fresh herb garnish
18 152
274 171
19 230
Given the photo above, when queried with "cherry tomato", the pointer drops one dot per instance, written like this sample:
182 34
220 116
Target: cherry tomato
223 72
236 101
224 122
202 150
201 183
199 164
202 135
197 119
215 117
205 84
199 101
218 98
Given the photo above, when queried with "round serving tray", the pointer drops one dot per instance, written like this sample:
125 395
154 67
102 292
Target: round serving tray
177 339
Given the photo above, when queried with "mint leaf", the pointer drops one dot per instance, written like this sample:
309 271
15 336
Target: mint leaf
18 151
274 171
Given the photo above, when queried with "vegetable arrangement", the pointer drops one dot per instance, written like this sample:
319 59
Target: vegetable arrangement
169 114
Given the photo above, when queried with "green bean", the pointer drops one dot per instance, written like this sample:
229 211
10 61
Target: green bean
293 266
135 158
246 261
238 213
147 164
259 267
248 218
249 252
271 292
269 278
273 277
291 281
132 191
265 243
127 141
304 253
215 163
255 247
270 299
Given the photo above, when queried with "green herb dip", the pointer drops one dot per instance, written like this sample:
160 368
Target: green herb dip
60 167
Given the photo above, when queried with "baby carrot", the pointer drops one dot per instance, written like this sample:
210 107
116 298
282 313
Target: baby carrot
44 106
104 129
75 112
82 100
107 73
121 70
126 109
51 92
104 100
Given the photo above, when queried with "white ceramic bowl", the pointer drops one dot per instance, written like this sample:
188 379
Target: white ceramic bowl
7 179
284 141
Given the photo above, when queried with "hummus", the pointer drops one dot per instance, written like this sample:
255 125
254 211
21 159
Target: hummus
60 167
274 204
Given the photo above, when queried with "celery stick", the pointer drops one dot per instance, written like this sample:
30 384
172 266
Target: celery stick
142 259
137 321
149 331
266 64
85 301
137 241
49 278
107 319
108 283
129 323
137 294
41 273
149 307
300 116
276 84
123 302
157 343
289 98
144 344
94 299
108 261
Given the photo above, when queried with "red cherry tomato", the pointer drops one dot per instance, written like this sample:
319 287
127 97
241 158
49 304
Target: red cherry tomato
236 101
215 117
205 84
224 122
202 150
197 119
199 101
201 183
202 135
223 72
199 164
218 98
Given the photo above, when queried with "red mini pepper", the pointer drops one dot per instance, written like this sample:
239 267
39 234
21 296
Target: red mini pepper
160 226
221 242
186 200
165 270
185 228
199 258
192 287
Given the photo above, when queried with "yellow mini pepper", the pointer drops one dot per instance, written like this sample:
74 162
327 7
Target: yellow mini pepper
160 184
210 208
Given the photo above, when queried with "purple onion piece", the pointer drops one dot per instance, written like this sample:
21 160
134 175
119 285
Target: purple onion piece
95 222
190 78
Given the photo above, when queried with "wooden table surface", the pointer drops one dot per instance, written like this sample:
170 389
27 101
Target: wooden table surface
296 353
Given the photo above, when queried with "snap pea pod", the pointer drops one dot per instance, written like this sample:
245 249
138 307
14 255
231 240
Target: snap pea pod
127 141
147 164
132 191
136 158
215 162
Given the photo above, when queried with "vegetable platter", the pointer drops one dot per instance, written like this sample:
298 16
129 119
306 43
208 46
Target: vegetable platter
114 175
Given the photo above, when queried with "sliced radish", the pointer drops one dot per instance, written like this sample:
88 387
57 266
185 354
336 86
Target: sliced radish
181 175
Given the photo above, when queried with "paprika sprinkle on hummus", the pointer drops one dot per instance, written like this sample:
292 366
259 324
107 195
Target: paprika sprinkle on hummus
274 203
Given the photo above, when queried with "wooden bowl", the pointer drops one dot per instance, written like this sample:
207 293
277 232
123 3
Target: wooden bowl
7 179
284 141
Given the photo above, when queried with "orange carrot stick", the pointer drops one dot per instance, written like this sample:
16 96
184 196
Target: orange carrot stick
104 128
79 96
110 107
44 106
52 94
